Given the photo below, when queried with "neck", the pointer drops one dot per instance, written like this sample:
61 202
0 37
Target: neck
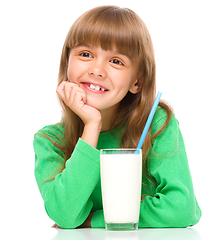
107 117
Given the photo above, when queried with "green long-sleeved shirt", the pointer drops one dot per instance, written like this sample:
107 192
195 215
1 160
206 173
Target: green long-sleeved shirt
74 193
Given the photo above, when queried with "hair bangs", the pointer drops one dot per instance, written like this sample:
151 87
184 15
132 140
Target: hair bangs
111 28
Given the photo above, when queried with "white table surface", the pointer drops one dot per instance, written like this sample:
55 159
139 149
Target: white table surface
101 234
146 234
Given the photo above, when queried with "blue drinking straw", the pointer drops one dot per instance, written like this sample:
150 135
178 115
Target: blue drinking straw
149 120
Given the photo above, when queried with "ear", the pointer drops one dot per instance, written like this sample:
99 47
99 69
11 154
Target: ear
137 85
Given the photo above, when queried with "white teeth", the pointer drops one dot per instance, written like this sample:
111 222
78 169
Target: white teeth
97 88
92 86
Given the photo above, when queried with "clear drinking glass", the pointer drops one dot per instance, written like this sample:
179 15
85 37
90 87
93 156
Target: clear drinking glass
121 179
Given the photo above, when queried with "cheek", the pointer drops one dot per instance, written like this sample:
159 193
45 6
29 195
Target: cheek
69 75
72 73
124 82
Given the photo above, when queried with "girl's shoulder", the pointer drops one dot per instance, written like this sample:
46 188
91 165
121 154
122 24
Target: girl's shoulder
160 118
54 131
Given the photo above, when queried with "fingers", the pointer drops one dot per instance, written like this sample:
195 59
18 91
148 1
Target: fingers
64 89
71 90
60 90
78 99
68 91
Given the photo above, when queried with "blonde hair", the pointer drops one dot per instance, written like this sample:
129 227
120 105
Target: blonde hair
121 28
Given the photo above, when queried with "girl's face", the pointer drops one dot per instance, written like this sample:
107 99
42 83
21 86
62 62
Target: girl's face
105 76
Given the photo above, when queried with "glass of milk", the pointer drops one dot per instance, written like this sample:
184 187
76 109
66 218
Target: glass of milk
121 180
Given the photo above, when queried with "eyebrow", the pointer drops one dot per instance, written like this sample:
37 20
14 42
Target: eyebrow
90 46
113 51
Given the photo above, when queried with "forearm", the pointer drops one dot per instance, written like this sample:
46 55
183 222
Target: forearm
80 176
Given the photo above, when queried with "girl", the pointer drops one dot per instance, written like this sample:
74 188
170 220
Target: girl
107 88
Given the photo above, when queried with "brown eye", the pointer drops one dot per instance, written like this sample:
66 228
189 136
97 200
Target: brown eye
86 54
116 61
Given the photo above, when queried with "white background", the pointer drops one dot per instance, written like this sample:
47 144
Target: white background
32 34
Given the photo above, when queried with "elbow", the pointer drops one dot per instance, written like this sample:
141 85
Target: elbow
66 226
184 210
65 223
64 219
190 214
67 218
184 215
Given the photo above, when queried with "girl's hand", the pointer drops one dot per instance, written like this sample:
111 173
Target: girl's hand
75 98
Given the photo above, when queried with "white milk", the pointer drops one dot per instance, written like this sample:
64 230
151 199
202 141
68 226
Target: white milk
121 177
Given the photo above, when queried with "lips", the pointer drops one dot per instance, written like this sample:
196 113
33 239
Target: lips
94 87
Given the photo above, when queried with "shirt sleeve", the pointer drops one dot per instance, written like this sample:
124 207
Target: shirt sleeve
66 197
174 203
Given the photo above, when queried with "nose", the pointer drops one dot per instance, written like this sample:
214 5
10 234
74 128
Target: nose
97 69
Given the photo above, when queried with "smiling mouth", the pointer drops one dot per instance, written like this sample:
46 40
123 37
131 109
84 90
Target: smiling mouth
95 87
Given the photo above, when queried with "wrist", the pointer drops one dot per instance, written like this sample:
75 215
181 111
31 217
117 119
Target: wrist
91 133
